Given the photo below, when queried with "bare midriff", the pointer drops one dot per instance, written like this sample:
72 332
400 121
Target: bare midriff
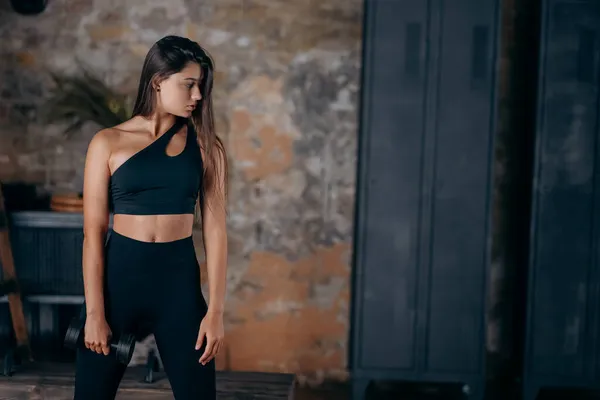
154 228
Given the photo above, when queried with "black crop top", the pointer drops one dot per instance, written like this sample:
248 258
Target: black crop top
151 182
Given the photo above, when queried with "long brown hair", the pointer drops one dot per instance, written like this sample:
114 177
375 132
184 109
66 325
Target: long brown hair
170 55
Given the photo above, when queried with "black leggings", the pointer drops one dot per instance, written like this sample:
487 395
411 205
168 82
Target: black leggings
151 288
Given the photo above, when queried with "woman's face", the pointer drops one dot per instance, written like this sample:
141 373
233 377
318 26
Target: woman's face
180 92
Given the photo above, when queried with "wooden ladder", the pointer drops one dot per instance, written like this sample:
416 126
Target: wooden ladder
9 286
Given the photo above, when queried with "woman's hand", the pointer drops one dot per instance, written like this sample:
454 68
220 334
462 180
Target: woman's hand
97 335
211 328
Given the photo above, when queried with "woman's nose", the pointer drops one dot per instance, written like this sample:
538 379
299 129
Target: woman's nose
196 95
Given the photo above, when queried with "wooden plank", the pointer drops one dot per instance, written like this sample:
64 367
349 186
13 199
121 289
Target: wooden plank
14 299
58 379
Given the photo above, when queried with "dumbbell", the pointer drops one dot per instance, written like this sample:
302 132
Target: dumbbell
122 347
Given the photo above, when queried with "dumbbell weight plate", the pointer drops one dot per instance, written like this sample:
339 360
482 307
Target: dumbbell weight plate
74 333
124 348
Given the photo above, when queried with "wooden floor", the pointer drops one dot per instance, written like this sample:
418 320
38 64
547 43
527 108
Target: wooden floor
41 381
55 382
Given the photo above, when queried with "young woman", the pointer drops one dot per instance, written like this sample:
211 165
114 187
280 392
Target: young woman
156 171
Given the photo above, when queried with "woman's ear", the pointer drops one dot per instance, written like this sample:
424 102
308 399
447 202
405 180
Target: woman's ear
155 82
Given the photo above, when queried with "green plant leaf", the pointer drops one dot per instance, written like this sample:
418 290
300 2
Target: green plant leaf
84 98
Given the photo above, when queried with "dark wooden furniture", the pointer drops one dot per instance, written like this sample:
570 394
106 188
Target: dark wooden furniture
47 249
422 241
562 346
10 287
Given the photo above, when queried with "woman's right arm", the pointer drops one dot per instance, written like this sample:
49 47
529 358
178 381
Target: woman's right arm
95 227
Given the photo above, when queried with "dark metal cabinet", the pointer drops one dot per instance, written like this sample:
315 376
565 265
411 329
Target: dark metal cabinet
562 326
424 192
47 249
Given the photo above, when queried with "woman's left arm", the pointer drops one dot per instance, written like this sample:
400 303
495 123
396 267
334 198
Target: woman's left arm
214 232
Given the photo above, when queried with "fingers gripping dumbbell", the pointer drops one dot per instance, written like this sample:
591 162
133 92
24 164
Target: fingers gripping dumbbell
122 347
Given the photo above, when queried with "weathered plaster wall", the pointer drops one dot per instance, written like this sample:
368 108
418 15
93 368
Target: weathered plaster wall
286 107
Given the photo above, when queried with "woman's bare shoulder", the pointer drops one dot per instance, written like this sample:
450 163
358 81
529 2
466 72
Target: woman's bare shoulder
107 139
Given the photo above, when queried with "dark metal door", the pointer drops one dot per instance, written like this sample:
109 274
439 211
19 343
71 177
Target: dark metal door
394 109
424 188
563 299
459 183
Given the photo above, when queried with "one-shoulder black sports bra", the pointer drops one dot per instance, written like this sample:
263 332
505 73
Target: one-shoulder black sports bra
151 182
